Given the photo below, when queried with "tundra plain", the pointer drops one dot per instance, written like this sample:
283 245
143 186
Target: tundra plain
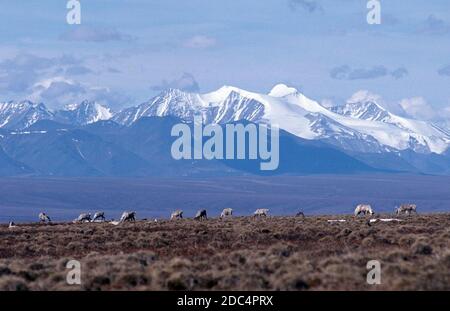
242 253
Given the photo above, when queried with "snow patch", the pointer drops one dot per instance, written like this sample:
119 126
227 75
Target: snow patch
281 90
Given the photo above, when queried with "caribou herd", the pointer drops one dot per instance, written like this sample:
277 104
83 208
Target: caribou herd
366 209
127 216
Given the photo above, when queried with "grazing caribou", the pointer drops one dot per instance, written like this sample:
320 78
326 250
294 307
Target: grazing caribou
261 212
128 216
99 216
300 214
406 209
363 209
201 215
84 217
227 212
178 214
44 218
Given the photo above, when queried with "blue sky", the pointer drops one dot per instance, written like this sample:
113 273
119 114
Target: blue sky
124 52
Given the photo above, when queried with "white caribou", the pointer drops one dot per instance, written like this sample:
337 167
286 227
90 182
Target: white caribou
364 209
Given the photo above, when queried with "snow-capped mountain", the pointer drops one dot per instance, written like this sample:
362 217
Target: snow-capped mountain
363 106
20 115
84 113
419 136
87 139
360 125
222 106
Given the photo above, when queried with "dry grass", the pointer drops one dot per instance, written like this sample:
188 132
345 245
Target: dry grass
277 253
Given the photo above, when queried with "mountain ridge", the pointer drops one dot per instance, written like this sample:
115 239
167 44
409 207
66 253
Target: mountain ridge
359 120
371 136
297 114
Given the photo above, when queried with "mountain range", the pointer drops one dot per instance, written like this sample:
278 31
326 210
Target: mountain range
89 139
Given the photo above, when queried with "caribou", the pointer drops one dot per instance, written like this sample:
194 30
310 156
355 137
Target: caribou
44 218
227 212
128 216
261 212
84 217
201 215
178 214
99 216
363 209
406 209
300 214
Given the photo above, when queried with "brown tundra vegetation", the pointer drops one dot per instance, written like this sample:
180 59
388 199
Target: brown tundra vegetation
242 253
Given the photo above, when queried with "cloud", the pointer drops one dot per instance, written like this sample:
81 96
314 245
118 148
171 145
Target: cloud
444 71
305 5
26 62
48 80
95 34
77 70
399 73
447 112
418 108
345 72
185 83
19 73
434 26
364 96
200 42
58 92
16 81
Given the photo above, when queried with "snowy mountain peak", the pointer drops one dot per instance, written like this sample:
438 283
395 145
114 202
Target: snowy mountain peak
281 90
368 110
359 125
364 105
84 113
221 94
24 104
19 115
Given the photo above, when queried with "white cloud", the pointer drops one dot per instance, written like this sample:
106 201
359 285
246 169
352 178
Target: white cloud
346 72
418 108
48 80
58 92
20 72
364 95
